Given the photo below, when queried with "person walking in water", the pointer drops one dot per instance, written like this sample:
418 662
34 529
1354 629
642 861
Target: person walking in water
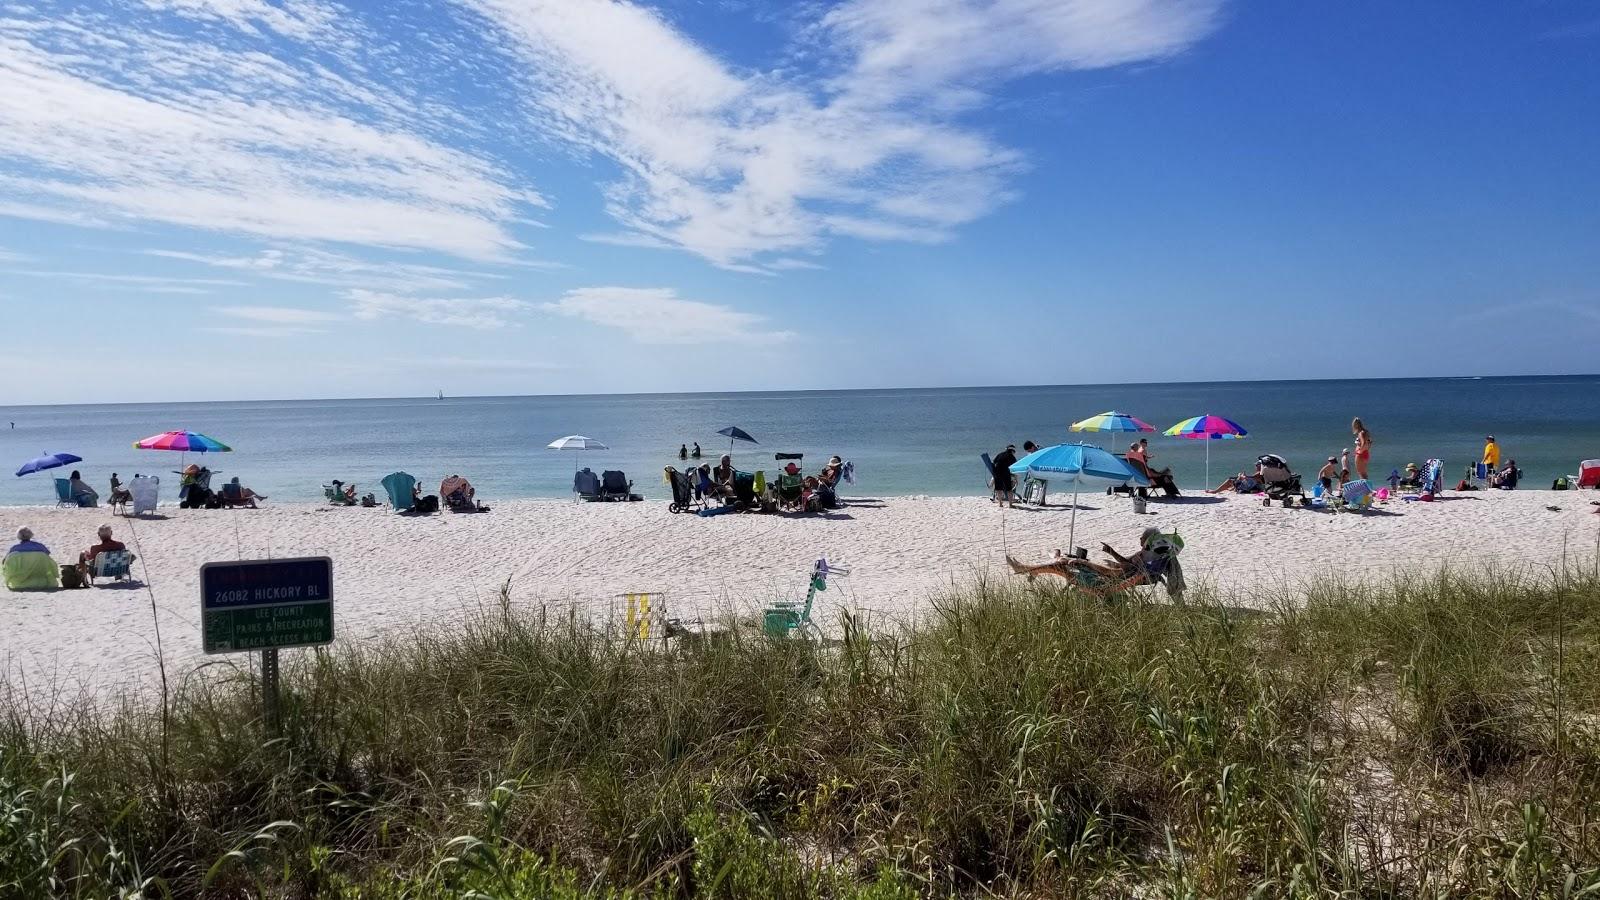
1363 446
683 451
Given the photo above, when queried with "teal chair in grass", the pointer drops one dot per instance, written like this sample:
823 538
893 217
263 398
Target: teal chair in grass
787 618
401 490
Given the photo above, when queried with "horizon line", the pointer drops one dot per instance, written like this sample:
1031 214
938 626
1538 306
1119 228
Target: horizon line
967 387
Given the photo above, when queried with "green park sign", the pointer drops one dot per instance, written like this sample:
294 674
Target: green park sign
266 604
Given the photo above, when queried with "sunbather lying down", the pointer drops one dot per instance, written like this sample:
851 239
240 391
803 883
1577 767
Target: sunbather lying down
1155 562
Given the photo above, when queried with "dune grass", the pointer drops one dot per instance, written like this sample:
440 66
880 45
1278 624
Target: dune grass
1415 738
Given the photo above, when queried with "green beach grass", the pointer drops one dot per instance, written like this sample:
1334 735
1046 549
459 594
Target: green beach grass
1433 737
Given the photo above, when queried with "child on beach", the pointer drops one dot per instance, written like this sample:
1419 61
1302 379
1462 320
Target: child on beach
1344 467
1329 472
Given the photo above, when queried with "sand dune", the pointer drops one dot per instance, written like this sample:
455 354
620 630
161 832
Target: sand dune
395 572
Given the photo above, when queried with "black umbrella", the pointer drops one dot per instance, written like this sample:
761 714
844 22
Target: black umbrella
735 433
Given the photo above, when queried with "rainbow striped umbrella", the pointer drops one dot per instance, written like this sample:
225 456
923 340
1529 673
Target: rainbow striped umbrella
183 442
1112 421
1207 428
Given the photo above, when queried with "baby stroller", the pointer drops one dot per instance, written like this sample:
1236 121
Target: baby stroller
683 493
1277 480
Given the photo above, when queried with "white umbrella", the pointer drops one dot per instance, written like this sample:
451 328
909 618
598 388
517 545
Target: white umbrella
576 442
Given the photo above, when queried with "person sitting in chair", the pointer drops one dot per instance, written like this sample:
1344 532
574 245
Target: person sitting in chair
1244 483
235 492
1412 477
722 477
1506 478
27 565
106 545
81 493
1155 560
119 494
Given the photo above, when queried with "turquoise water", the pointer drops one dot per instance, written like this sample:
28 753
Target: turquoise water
902 441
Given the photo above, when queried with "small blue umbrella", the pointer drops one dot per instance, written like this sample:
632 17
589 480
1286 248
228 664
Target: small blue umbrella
48 461
1077 462
735 433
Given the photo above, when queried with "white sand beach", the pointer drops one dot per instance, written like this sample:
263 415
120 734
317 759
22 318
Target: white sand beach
397 572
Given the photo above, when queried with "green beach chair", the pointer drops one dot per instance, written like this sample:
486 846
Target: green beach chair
64 493
788 618
401 490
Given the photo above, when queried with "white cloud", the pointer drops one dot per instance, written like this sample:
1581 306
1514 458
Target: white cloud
316 266
149 284
278 315
480 312
226 130
261 331
658 316
735 165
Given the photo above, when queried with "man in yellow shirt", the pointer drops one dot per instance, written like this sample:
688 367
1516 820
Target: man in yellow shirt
1491 454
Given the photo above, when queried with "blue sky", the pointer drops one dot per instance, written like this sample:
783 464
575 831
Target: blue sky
230 199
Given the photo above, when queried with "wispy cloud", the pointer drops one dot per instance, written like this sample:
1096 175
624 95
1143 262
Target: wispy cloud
475 312
659 316
260 331
277 315
312 265
225 128
736 165
150 284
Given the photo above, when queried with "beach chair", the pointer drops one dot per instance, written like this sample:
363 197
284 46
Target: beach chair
1588 474
335 493
789 618
1356 496
146 491
401 489
615 485
791 489
116 565
586 485
232 495
64 493
1433 478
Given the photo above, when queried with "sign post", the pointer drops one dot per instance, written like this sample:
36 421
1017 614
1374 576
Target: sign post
266 605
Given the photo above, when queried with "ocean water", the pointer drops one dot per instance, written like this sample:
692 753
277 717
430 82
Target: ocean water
922 441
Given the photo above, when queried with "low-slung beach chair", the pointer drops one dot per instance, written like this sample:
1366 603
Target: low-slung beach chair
614 485
116 565
401 489
1588 474
1356 496
790 618
586 485
64 493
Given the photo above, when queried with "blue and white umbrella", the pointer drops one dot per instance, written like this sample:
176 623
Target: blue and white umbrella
48 461
1079 463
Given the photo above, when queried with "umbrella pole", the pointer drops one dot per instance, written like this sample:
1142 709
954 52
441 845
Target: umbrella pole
1072 521
1208 464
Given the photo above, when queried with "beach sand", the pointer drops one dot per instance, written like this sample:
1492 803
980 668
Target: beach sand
394 573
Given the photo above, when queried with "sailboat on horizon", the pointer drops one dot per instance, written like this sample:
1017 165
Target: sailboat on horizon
441 394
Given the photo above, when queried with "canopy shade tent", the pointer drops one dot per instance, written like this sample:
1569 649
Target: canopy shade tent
1079 463
48 461
1208 428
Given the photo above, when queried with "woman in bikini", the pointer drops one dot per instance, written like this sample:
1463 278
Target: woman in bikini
1363 446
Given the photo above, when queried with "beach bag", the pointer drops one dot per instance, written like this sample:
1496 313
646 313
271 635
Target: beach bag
71 578
1560 484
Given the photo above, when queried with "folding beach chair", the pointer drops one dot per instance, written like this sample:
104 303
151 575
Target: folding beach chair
114 564
788 618
1356 496
401 490
64 493
586 485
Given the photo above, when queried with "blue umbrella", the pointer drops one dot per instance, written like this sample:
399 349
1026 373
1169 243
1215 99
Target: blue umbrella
735 433
48 461
1077 462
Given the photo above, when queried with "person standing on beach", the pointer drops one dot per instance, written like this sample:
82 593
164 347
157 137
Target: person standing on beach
1363 446
1344 467
1003 482
1491 454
